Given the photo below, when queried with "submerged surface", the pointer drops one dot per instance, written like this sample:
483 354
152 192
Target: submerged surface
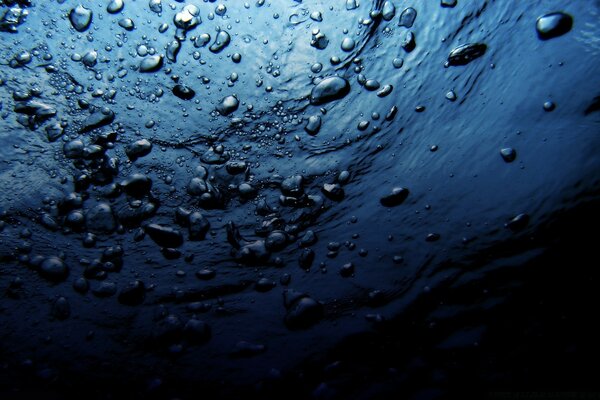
309 199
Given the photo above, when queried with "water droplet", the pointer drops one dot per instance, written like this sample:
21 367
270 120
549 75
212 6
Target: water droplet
80 18
316 16
137 185
552 25
164 236
228 105
81 285
196 331
54 132
247 349
351 4
53 269
11 18
188 18
100 219
333 191
105 289
549 106
464 54
347 270
385 90
97 119
220 10
313 125
329 89
115 6
518 223
206 274
127 24
395 198
448 3
198 226
432 237
221 41
508 154
73 149
133 294
137 149
391 114
407 18
372 84
151 63
173 49
319 40
409 42
202 40
264 285
348 44
155 6
451 95
388 10
90 59
184 92
363 125
61 309
303 313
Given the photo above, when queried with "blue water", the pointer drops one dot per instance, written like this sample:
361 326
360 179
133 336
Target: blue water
480 282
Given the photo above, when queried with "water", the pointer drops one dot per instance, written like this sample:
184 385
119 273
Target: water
309 199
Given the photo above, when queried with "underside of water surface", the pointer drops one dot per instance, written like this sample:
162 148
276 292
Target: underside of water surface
299 199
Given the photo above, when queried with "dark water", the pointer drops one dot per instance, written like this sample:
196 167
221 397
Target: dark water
193 217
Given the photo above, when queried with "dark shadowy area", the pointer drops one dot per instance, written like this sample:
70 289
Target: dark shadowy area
537 337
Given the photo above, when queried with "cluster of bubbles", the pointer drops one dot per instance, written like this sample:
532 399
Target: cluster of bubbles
104 201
